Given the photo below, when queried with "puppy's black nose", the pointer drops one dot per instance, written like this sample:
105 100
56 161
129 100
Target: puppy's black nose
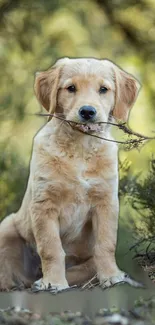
87 112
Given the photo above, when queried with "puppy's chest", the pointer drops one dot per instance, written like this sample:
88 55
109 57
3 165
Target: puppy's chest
83 190
75 207
82 177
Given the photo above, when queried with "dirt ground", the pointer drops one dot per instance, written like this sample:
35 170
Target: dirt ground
142 313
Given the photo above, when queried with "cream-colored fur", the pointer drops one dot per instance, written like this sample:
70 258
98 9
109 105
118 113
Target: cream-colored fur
69 213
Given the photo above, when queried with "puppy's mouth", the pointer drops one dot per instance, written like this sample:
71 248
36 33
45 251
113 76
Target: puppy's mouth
89 127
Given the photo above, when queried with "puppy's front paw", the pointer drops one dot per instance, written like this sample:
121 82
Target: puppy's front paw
46 285
118 278
106 282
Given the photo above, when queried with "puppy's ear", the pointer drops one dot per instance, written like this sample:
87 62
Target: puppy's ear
46 87
127 88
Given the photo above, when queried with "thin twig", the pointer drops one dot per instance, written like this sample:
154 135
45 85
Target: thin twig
121 126
89 283
137 244
141 241
147 250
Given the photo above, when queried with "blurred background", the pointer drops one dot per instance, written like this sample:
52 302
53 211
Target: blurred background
33 35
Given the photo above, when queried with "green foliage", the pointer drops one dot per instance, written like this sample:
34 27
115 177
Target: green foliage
139 193
12 181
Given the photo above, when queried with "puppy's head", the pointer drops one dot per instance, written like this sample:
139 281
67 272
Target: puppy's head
86 91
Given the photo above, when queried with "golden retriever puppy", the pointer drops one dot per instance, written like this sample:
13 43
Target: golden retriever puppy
68 219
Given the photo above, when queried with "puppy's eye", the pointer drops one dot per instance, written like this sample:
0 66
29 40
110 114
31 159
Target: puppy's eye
103 90
71 89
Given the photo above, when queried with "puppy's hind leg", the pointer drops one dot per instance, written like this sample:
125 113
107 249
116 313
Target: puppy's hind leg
12 253
81 273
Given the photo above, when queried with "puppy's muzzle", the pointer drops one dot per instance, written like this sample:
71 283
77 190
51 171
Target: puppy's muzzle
87 113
